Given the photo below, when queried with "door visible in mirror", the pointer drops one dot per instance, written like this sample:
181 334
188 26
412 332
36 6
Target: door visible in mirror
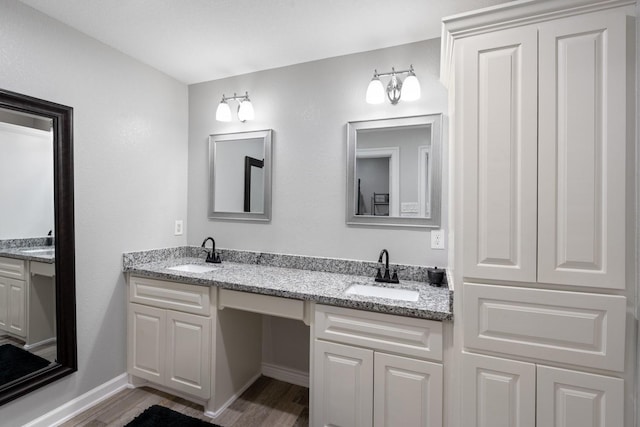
393 171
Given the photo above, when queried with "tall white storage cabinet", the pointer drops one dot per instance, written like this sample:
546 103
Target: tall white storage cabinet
542 127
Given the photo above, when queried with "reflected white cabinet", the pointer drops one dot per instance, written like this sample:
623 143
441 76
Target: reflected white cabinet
358 382
543 131
167 346
13 296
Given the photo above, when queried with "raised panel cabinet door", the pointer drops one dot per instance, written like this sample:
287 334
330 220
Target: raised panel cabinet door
582 151
497 125
343 381
4 294
497 392
188 353
146 342
577 399
16 307
407 392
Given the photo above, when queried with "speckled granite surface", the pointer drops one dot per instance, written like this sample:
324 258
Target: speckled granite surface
311 284
34 249
328 265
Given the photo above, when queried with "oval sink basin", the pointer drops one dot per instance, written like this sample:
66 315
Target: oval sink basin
37 251
193 268
382 292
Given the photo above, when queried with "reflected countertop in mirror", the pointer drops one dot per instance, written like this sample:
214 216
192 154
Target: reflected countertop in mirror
35 249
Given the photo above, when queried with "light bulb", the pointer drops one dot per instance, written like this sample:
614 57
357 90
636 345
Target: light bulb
411 88
223 113
245 111
375 91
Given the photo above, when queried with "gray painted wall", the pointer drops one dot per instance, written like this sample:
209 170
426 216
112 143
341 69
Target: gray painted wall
308 105
26 181
130 125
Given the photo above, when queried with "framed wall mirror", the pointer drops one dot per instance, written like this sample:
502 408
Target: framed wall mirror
37 244
394 171
240 176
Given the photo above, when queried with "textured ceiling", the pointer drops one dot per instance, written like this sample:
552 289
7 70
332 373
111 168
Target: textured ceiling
201 40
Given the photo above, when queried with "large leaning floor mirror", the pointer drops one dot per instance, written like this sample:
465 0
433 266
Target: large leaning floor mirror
37 249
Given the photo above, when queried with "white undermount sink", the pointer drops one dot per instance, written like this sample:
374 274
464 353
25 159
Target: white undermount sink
382 292
193 268
36 251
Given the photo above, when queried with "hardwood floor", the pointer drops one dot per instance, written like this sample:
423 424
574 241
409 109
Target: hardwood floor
266 403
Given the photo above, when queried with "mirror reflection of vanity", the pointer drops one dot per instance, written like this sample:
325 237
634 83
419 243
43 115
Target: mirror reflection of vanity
240 176
37 263
393 171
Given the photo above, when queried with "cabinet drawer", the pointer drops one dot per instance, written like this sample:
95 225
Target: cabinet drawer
12 268
265 304
414 337
175 296
571 327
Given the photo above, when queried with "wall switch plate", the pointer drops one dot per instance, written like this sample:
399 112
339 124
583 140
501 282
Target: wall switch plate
178 230
437 239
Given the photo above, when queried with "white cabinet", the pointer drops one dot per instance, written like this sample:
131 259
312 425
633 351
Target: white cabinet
357 381
407 391
582 150
502 393
543 133
343 394
577 399
13 296
167 346
498 127
497 392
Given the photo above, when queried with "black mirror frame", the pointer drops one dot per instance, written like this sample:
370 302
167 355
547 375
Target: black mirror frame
67 357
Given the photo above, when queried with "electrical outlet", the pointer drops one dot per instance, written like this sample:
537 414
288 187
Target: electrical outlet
437 239
178 229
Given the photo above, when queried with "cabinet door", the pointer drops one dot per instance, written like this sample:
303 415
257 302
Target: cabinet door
407 392
343 386
497 392
188 353
582 151
4 294
577 399
497 124
16 304
146 342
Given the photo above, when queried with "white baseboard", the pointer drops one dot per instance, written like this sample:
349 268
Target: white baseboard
38 344
288 375
226 404
80 403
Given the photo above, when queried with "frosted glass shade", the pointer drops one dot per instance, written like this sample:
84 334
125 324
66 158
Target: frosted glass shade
410 88
223 113
375 92
245 111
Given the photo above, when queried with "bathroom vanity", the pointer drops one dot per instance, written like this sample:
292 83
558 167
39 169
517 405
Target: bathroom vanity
27 294
194 329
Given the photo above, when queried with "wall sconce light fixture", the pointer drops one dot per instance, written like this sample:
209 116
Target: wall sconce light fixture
245 108
409 90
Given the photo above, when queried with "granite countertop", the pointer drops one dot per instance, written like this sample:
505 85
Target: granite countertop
44 254
323 287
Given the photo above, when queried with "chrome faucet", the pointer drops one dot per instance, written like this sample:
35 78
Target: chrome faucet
387 277
212 256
